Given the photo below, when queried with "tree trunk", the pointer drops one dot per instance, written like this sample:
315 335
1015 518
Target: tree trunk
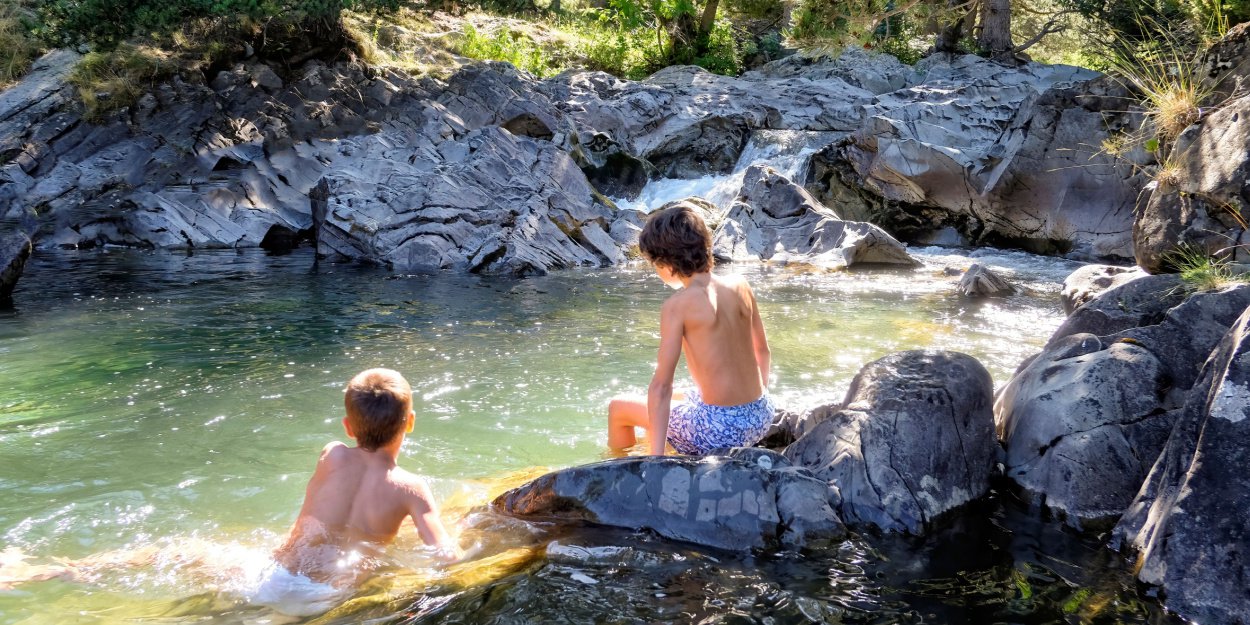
705 26
995 35
951 28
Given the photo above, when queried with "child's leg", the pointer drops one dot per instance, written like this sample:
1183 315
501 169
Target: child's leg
625 412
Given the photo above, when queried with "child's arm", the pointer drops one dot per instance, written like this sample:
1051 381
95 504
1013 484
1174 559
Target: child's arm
424 514
660 392
759 341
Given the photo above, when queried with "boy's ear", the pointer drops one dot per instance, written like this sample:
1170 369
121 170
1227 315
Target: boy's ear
412 422
347 427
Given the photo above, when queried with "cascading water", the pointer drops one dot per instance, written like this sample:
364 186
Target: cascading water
787 151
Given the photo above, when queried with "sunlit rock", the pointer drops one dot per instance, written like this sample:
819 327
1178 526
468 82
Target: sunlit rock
914 441
1087 282
1004 155
980 281
778 220
717 501
1190 522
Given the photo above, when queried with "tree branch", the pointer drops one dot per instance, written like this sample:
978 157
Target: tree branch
1052 26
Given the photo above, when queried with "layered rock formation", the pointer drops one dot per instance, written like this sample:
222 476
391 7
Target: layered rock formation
776 219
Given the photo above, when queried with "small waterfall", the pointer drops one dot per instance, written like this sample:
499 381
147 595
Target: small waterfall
787 151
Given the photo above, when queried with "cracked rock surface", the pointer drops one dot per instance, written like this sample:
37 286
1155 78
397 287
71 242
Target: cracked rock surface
914 441
778 220
1081 425
743 503
1188 524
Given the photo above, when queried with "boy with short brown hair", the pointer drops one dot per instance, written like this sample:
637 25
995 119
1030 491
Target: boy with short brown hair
716 321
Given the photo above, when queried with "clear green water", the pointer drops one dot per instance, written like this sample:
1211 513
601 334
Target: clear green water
149 397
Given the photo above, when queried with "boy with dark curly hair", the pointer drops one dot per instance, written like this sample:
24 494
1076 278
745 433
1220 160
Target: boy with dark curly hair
716 321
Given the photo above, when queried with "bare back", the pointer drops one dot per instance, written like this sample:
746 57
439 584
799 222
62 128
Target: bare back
719 318
355 497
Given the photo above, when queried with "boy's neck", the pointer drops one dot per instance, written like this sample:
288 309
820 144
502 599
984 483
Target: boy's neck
389 450
700 278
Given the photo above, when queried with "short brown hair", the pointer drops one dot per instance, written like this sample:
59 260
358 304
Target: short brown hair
378 402
676 237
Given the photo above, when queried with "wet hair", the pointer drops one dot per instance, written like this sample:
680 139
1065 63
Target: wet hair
378 402
676 237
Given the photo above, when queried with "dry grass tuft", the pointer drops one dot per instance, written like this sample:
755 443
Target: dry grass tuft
18 47
109 81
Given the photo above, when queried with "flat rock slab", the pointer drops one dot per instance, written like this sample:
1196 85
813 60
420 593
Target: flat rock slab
716 501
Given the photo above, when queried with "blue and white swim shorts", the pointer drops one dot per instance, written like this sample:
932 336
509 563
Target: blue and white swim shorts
696 428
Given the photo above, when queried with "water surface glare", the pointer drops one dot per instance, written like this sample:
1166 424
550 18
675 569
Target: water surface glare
153 397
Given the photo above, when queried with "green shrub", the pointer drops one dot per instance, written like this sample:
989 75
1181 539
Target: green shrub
18 45
1201 271
107 23
506 44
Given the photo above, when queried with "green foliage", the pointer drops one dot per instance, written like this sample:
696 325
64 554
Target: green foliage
512 46
114 79
18 45
722 56
1201 271
106 23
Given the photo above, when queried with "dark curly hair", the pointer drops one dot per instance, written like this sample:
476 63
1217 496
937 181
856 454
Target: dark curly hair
676 237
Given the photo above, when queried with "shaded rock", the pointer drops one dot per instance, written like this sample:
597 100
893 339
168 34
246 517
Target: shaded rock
1189 523
776 219
609 168
714 501
1089 281
1081 426
15 249
1189 331
789 426
1010 157
979 281
915 441
497 203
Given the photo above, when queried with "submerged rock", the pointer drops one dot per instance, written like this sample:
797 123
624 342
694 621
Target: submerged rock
715 501
915 441
1189 523
776 219
979 281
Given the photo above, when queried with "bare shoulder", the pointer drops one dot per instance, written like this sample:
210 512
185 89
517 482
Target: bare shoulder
410 485
334 452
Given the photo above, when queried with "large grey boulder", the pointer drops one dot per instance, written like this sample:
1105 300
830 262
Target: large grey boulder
1089 281
1081 426
776 219
1190 522
1202 207
717 501
495 202
1004 156
914 441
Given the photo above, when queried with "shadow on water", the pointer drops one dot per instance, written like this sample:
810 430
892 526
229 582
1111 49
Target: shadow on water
999 563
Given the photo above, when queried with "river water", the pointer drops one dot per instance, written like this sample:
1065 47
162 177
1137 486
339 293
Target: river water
149 398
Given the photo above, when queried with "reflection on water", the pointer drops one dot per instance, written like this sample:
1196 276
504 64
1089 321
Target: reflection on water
147 396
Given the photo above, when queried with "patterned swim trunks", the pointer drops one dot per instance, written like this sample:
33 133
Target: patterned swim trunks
696 428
